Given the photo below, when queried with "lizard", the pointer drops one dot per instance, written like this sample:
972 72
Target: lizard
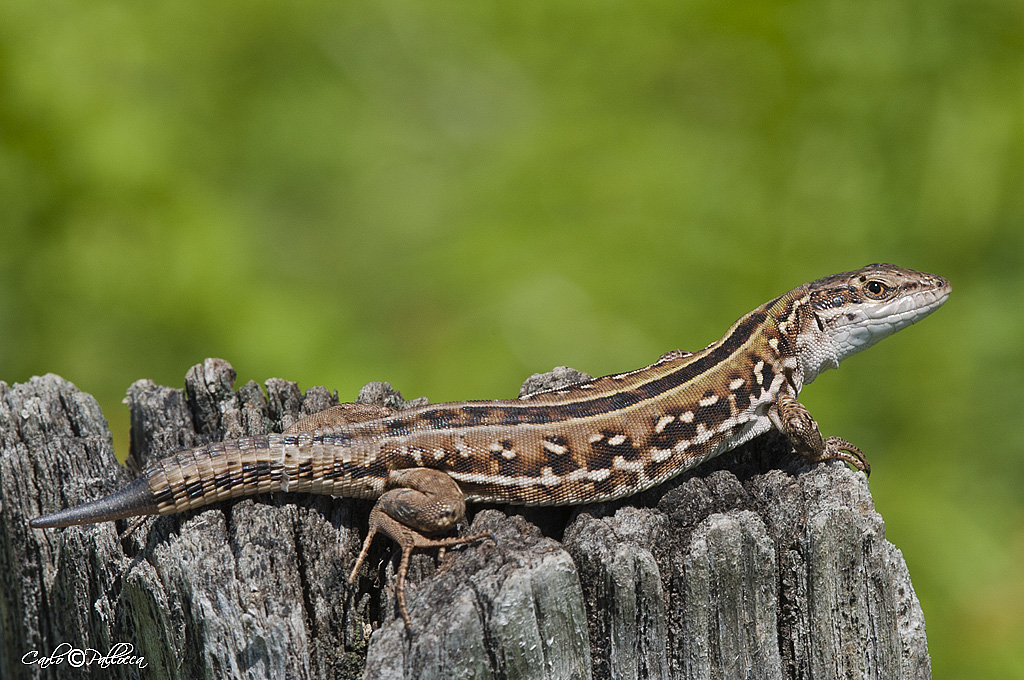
597 440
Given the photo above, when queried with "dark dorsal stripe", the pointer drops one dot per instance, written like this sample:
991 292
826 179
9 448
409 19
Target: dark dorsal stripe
467 414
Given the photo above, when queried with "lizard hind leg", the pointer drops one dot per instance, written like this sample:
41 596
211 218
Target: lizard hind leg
423 501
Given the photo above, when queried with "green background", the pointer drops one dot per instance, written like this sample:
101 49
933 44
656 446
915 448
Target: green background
452 197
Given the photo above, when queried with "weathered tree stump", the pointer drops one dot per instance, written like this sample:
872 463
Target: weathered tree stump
751 566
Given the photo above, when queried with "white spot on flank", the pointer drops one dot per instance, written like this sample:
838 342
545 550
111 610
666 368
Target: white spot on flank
687 417
709 401
774 343
661 455
599 475
617 440
595 438
703 434
439 454
663 422
736 384
497 447
554 448
728 424
548 477
620 463
758 367
576 475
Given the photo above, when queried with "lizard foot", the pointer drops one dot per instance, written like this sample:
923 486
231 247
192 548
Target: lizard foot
837 448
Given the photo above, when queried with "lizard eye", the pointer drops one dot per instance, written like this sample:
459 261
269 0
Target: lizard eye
876 289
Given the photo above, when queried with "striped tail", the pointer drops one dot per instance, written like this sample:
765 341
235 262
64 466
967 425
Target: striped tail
300 462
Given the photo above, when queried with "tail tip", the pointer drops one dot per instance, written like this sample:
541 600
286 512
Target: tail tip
134 499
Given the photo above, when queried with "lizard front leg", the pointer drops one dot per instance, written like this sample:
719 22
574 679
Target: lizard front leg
792 419
421 501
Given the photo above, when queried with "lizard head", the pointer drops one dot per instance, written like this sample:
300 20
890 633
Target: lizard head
854 310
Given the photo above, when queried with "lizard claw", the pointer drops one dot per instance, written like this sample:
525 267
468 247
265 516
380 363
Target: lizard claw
837 448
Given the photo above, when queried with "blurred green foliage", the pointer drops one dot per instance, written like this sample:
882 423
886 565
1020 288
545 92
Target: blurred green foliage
452 197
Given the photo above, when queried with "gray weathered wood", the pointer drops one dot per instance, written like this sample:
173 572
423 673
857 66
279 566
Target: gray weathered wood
752 566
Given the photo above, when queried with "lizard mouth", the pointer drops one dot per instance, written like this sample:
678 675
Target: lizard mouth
909 308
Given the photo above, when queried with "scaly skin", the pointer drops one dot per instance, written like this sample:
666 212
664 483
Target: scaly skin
593 441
